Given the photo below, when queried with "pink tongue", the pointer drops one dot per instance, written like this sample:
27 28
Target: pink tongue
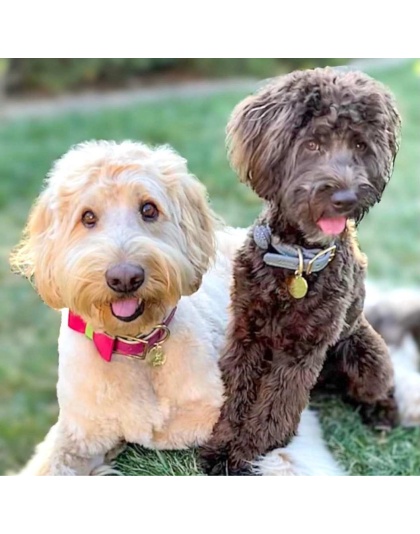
333 226
125 308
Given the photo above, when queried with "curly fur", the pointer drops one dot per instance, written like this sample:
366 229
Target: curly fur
113 180
277 347
104 405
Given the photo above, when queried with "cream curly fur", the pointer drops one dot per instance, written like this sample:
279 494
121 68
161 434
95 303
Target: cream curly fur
105 404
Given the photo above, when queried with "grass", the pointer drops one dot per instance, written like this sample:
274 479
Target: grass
363 451
137 461
195 127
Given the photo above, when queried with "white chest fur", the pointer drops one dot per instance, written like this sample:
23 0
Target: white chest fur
130 400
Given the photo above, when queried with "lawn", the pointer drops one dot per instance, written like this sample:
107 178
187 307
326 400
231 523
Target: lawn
195 127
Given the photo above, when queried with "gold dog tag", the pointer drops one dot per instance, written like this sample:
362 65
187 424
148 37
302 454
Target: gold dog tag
297 286
156 356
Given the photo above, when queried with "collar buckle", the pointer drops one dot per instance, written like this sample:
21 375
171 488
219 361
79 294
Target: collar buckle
311 262
152 351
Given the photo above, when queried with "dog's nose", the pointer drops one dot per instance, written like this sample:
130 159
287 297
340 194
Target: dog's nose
125 277
344 200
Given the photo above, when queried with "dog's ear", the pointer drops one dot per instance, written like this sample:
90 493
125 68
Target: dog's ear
198 223
259 134
394 125
391 129
196 219
33 257
383 130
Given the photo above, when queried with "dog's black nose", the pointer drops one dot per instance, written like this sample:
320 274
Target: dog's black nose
344 200
124 277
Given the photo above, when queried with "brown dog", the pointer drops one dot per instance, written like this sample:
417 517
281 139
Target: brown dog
318 146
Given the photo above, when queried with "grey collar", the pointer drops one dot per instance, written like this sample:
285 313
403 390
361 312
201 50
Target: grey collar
298 259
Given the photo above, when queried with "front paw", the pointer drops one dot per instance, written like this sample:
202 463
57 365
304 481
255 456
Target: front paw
381 415
219 463
214 462
244 471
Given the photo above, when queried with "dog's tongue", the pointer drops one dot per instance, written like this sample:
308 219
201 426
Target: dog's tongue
125 308
332 226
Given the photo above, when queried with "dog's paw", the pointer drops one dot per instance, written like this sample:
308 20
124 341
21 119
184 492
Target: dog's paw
213 462
244 471
219 464
381 415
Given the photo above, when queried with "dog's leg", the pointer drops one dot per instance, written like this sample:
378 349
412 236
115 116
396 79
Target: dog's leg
68 451
274 418
242 367
189 424
269 421
364 359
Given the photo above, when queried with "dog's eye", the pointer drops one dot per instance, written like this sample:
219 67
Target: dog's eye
89 219
149 212
312 145
360 146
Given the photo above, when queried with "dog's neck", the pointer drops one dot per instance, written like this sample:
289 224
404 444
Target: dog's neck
287 232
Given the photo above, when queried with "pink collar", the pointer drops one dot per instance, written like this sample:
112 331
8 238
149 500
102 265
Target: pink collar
143 348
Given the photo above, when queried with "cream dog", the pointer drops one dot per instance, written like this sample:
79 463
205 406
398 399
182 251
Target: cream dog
123 241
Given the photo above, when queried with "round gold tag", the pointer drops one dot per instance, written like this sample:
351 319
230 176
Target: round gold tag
156 356
297 286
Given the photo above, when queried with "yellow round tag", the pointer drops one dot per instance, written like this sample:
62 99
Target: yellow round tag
156 356
298 287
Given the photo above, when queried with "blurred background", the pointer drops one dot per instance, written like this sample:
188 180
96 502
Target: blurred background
47 105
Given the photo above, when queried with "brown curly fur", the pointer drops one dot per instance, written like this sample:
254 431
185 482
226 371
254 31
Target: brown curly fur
276 345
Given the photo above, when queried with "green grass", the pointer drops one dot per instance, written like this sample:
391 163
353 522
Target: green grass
363 451
137 461
195 127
